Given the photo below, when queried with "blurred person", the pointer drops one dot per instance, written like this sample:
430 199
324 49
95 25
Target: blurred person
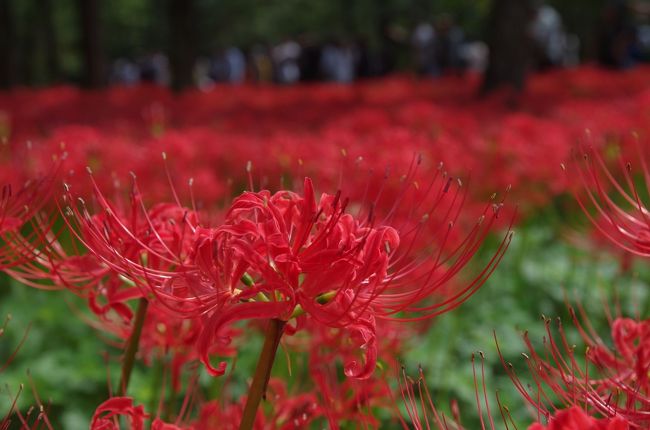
236 62
219 68
474 56
154 68
643 37
423 41
552 42
448 41
124 72
285 57
309 61
338 62
369 60
392 40
641 9
572 52
261 64
616 37
346 72
202 74
328 59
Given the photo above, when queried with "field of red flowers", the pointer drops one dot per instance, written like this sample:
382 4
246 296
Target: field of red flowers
297 257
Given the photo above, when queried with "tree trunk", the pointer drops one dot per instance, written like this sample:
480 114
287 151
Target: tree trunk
50 41
7 43
510 45
181 52
28 53
91 43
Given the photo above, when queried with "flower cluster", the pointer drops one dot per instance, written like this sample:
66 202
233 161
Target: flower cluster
327 267
297 132
342 246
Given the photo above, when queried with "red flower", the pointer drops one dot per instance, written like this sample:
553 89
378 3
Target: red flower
289 411
629 362
285 255
575 418
122 244
106 415
300 258
612 383
623 218
18 206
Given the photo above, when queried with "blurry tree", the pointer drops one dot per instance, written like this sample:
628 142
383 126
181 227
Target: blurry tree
94 74
50 40
135 27
181 43
35 56
7 44
28 52
510 44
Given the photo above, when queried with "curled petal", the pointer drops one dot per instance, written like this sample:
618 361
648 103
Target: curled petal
219 318
364 330
106 414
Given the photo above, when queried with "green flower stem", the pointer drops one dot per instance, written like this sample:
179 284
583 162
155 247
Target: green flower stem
132 345
262 372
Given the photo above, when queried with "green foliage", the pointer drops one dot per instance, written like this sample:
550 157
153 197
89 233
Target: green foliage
61 353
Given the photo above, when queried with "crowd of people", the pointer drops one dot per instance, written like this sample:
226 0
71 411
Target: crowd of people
434 48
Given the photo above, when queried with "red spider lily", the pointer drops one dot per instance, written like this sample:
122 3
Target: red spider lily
285 140
159 238
155 238
292 412
275 128
422 413
167 338
284 255
576 418
624 218
17 208
613 383
289 412
350 401
118 409
106 416
345 400
330 352
32 252
47 264
629 362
